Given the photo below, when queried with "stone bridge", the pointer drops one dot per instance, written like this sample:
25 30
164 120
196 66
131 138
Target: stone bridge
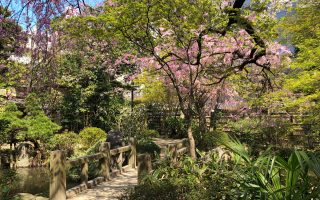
118 170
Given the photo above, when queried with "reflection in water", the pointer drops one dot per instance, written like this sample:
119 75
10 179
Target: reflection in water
35 181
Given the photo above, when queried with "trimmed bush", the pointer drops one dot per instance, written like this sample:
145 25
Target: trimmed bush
90 136
148 146
65 141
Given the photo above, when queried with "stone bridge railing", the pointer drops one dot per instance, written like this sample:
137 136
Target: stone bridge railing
106 157
172 151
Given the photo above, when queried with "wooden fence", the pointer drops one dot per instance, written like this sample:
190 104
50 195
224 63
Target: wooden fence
59 166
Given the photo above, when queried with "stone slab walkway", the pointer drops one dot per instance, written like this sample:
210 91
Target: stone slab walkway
110 190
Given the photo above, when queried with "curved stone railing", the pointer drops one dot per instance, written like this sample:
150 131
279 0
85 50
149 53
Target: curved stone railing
59 166
172 151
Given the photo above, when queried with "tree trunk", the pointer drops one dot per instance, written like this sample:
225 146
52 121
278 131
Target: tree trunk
192 144
202 124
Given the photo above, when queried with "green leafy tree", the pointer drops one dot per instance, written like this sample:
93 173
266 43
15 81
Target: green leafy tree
177 42
89 97
11 35
12 42
301 29
11 123
152 88
34 127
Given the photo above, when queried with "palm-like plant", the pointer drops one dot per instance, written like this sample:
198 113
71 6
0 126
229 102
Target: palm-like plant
272 177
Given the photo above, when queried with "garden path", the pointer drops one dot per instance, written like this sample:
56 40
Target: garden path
110 190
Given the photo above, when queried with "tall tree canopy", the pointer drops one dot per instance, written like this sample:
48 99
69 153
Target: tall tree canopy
301 29
196 44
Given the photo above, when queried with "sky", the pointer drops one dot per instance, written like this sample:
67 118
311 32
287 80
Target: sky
16 6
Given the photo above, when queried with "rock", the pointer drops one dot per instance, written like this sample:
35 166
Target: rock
71 193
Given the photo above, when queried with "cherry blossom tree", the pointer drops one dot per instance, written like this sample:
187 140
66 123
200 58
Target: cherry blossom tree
197 44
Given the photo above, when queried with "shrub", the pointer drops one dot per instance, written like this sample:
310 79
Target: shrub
267 176
150 133
133 123
8 181
91 135
207 141
260 132
65 141
162 190
148 146
176 127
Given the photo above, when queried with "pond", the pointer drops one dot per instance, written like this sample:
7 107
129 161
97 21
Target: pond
35 181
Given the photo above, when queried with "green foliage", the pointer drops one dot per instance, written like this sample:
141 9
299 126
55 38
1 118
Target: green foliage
272 177
133 123
264 130
301 84
266 176
35 126
33 104
91 135
187 179
14 74
66 141
39 127
146 145
94 148
153 89
311 123
8 181
12 37
206 141
176 127
11 122
163 190
89 98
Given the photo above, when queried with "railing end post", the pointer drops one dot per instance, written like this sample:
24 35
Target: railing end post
133 154
105 161
57 176
144 166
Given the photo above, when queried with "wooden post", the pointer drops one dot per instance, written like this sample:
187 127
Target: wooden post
105 160
133 153
144 166
57 175
84 171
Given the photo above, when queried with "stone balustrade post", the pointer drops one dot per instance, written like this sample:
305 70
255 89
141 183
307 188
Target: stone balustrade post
173 152
133 153
105 161
144 166
84 171
57 175
119 162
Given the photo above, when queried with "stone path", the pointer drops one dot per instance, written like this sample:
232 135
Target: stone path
110 190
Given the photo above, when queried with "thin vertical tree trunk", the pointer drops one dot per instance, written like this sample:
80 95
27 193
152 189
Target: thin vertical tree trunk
192 144
202 124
